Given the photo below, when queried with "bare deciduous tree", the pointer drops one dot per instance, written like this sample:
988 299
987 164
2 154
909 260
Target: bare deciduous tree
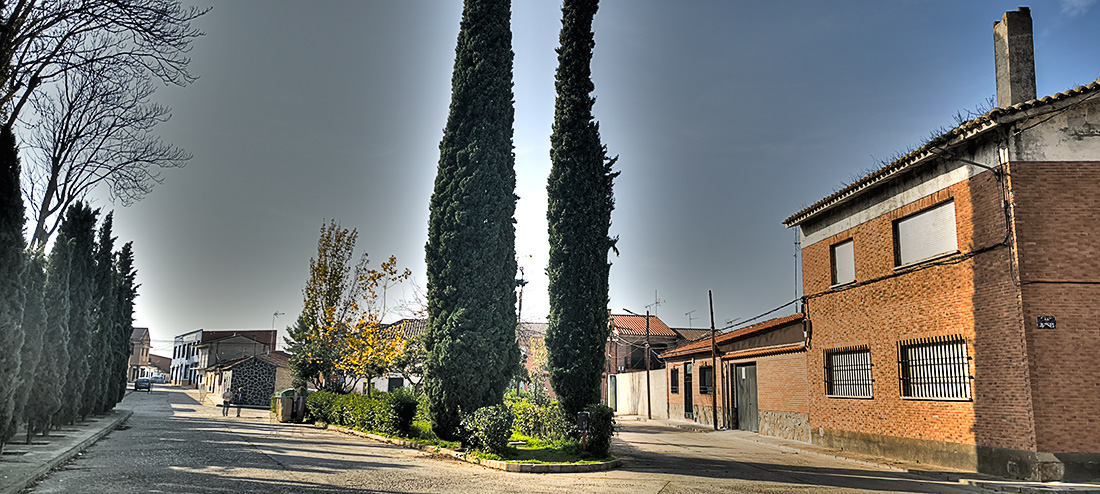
94 126
42 39
86 70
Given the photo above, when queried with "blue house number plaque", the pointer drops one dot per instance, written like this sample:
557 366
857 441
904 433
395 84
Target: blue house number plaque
1046 322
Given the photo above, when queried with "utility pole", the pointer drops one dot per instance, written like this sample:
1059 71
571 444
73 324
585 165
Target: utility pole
713 358
648 394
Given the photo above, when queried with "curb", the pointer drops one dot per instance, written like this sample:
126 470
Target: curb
494 464
43 469
1031 488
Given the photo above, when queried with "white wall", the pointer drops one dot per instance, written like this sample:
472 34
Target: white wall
631 390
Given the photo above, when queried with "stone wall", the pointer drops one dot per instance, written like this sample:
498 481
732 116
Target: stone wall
788 425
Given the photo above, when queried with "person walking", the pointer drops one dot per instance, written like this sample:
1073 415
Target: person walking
227 398
239 400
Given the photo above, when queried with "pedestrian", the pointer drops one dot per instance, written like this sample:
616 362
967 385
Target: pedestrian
239 400
227 398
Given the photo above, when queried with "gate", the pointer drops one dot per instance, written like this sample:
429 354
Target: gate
748 414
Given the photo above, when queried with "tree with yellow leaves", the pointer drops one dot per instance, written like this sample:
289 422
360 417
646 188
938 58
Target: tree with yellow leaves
338 335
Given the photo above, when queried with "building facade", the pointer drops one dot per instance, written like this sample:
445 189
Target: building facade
140 343
951 292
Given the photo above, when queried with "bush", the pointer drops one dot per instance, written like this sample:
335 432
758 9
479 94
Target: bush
488 428
547 422
398 412
601 426
319 406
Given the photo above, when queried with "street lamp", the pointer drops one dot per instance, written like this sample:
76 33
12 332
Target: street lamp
273 316
648 400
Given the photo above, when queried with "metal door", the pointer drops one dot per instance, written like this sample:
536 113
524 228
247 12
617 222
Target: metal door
748 414
689 408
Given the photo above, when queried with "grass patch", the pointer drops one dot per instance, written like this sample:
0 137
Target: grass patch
538 451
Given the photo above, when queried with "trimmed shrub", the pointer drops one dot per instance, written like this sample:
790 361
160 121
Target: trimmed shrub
488 428
398 412
547 422
601 426
319 406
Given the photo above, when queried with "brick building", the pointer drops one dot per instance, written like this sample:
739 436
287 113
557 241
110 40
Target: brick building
760 383
952 292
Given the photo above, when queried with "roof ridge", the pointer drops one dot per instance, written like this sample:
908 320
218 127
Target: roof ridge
960 130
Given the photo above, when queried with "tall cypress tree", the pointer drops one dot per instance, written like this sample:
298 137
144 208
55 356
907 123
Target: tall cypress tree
579 216
28 404
470 252
52 380
104 331
12 261
79 227
125 294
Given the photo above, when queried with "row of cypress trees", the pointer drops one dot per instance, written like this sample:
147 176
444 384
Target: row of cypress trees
470 254
65 318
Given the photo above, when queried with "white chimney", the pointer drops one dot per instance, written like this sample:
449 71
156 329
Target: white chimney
1015 57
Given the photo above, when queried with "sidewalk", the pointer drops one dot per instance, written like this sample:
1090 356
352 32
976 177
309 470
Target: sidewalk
987 482
22 464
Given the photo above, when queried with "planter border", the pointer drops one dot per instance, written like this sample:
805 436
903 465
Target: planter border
494 464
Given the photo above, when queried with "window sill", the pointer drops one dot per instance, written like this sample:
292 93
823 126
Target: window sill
846 397
838 285
927 259
932 398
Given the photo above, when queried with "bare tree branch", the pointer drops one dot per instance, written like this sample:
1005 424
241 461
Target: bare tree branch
94 125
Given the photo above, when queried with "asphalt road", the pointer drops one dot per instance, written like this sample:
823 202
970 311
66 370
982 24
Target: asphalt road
175 445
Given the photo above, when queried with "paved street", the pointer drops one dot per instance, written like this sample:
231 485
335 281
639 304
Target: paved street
174 444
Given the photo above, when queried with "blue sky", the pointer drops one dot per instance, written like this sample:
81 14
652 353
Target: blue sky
727 118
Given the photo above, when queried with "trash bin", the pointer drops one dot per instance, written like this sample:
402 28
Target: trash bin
283 407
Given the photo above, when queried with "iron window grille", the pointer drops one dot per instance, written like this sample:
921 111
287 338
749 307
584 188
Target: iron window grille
848 372
935 368
674 386
706 380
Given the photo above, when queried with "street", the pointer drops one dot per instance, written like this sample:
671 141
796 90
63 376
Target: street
174 444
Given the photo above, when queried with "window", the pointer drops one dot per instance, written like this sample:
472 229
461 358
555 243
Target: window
706 380
848 372
937 368
844 263
925 235
674 386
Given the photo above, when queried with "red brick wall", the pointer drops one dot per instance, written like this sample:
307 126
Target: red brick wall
1057 212
780 380
781 384
973 298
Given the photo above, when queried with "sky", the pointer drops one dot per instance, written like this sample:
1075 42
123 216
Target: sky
727 117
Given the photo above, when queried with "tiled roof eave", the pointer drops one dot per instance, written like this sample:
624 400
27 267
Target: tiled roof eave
997 117
887 173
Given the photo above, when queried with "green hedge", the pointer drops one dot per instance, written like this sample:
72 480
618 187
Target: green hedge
601 426
488 428
390 413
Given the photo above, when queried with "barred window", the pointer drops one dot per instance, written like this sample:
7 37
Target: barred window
936 368
706 380
848 372
674 386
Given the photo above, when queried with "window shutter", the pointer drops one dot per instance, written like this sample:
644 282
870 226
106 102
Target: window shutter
844 263
927 234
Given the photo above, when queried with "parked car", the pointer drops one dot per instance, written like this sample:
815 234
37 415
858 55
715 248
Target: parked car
143 383
158 379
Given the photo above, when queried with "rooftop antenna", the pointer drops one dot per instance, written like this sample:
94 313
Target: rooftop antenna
656 303
690 317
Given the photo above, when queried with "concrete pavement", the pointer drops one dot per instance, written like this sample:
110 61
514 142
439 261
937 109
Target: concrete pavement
22 464
941 474
255 454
